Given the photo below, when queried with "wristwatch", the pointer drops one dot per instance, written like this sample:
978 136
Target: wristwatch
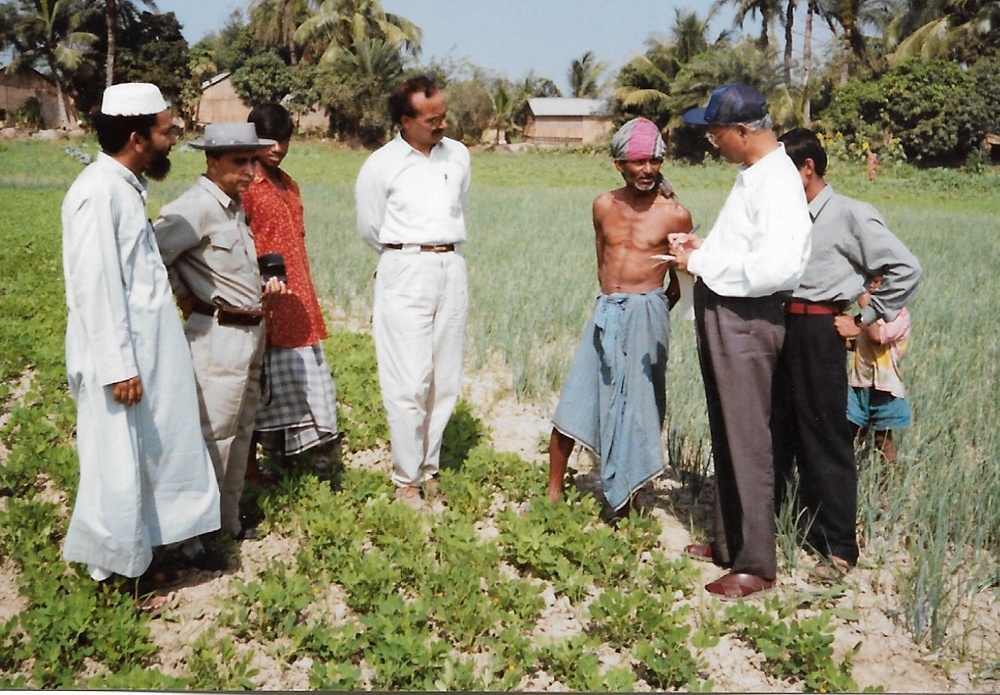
857 320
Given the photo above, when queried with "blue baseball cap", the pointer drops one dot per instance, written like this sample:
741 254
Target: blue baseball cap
729 104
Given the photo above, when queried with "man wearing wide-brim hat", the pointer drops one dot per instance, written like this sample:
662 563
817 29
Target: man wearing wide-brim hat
146 479
207 246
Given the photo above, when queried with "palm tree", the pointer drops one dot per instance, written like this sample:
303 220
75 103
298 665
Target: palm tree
339 23
47 33
645 83
584 75
767 9
811 9
789 22
851 15
503 111
111 15
273 24
938 29
743 62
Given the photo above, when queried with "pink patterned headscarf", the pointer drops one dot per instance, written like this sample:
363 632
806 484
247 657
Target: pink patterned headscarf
638 139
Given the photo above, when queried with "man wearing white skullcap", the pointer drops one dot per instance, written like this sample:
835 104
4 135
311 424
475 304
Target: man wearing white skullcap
614 401
146 479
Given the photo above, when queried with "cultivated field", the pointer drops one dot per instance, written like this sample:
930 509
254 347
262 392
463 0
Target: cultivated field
501 590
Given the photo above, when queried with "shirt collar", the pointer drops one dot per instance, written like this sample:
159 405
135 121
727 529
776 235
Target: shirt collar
761 168
137 182
216 192
410 149
817 204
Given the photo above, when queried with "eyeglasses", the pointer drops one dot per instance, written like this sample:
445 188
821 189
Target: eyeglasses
711 137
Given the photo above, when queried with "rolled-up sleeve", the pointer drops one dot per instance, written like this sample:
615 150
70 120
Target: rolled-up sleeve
884 255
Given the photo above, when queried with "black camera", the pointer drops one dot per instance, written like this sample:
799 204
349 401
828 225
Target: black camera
272 265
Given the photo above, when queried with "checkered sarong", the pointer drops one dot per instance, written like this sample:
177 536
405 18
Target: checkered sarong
298 400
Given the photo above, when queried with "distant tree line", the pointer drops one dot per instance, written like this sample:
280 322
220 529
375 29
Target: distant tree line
913 79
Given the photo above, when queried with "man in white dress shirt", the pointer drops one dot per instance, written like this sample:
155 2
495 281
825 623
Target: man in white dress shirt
747 266
146 478
411 197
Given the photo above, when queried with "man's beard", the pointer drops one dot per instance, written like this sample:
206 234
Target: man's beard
160 167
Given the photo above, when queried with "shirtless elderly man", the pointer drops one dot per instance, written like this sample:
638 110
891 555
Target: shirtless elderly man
614 400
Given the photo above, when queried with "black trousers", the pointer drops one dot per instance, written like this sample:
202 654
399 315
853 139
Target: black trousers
738 344
811 430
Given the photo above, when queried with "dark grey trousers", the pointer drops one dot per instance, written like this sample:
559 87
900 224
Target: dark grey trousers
739 340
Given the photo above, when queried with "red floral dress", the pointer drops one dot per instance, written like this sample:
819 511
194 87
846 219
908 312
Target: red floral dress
276 219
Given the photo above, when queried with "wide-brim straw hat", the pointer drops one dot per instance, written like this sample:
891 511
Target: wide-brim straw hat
230 137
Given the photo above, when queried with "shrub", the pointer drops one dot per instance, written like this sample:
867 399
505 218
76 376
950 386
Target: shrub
934 109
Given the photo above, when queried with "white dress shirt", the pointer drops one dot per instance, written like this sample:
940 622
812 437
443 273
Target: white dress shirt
405 197
760 242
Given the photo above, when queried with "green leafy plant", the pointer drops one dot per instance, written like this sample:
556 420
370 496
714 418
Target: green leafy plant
217 664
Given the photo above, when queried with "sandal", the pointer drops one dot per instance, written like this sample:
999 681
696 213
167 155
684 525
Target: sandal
702 552
831 569
156 578
738 585
153 606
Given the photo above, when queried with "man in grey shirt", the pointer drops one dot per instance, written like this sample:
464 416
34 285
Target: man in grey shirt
850 245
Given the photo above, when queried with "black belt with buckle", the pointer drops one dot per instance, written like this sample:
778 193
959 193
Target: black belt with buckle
425 248
229 315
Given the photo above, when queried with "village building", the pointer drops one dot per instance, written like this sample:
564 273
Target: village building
220 102
566 121
16 89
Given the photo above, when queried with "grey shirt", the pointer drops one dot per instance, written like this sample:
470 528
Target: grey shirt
851 244
208 247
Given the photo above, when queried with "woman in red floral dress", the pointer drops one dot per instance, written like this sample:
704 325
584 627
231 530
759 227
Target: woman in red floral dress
298 404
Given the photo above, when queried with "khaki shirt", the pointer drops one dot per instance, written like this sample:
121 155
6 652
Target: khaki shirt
207 245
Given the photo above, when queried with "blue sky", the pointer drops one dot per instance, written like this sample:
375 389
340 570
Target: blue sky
512 36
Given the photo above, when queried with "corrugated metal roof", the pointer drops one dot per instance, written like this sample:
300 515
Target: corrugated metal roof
214 81
571 106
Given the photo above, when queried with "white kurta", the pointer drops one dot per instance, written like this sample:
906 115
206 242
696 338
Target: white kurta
146 478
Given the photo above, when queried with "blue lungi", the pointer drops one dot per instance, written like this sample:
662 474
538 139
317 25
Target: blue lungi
614 399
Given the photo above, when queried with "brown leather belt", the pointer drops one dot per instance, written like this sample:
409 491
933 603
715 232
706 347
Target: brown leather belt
815 308
229 315
425 248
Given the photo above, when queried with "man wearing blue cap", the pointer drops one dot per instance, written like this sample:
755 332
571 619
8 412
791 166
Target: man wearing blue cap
746 267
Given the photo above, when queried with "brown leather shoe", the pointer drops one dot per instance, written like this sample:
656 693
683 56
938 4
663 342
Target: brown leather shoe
699 551
703 552
432 491
738 585
410 496
831 569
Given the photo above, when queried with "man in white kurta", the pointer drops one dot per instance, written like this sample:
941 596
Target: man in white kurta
145 475
411 196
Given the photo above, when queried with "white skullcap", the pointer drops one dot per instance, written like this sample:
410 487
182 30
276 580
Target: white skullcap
132 99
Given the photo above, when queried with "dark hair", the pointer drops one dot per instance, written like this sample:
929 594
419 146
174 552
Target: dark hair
272 121
802 144
113 132
400 103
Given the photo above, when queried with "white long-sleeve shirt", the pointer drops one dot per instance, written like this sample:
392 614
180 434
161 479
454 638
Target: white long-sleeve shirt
760 242
405 197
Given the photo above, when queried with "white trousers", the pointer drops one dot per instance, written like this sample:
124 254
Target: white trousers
418 322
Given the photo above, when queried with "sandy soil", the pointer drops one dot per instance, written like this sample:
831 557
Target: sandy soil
888 656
